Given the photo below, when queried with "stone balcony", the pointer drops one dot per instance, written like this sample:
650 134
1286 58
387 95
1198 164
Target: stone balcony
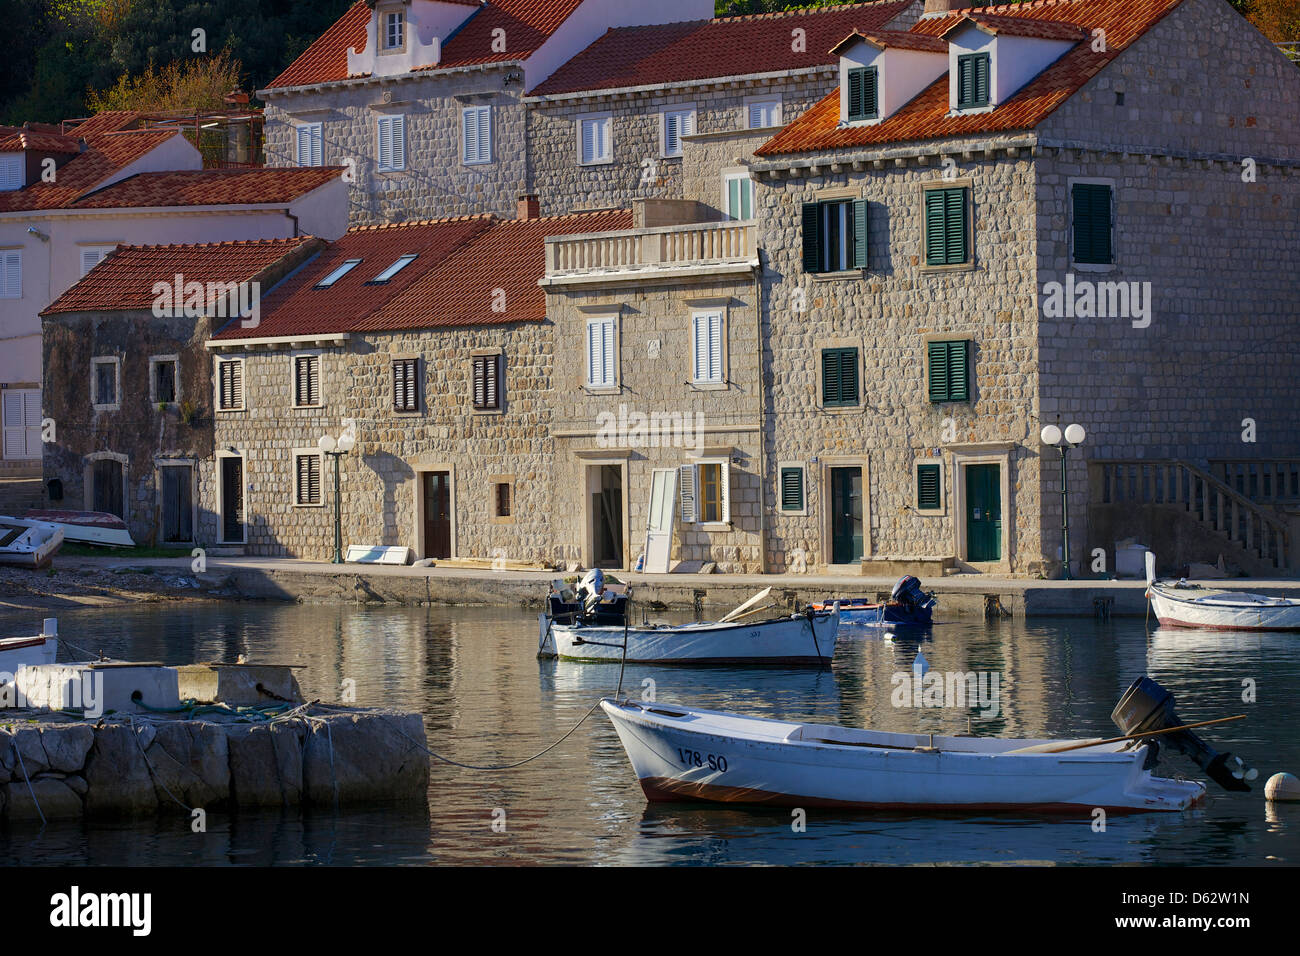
664 252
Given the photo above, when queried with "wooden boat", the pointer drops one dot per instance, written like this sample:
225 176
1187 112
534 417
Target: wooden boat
683 753
18 652
1183 605
87 527
907 604
596 599
28 544
806 638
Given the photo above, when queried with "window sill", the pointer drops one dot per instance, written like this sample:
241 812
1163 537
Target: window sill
715 525
842 275
386 169
603 389
226 411
676 157
407 413
842 409
498 520
709 386
489 411
106 408
802 513
477 162
931 512
299 504
1092 267
926 269
598 162
307 408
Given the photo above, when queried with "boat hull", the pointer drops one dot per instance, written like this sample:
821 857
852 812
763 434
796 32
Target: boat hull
868 614
1223 612
87 527
28 544
688 754
19 652
795 640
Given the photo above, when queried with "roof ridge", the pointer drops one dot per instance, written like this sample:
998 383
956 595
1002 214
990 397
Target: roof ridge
212 245
409 223
801 11
577 214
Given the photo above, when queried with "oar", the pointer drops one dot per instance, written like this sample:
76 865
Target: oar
752 611
1114 740
747 605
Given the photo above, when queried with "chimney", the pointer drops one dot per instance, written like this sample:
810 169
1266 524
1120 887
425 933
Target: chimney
528 208
939 7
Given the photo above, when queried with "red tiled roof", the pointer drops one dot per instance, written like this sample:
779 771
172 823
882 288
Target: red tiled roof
510 257
211 187
527 24
297 308
1020 27
19 139
702 49
109 121
896 39
925 117
105 154
125 280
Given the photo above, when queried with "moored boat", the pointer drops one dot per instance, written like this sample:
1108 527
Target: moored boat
87 527
596 599
19 652
1178 604
28 544
907 604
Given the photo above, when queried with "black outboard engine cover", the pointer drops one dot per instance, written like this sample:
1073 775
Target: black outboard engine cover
908 591
1147 706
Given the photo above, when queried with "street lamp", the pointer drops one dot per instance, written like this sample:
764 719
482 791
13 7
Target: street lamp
336 449
1074 436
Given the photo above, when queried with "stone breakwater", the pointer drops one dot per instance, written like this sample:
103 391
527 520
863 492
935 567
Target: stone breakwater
137 767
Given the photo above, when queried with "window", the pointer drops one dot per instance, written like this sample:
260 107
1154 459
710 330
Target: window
835 235
392 270
949 371
706 336
863 101
406 385
601 370
792 489
230 385
311 145
502 499
104 383
163 380
307 479
11 274
1092 223
337 274
487 382
972 81
394 30
392 143
704 494
306 381
738 193
946 227
476 128
676 124
929 487
839 377
762 112
93 256
595 139
12 171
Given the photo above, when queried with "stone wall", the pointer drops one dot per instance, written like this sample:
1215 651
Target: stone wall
705 157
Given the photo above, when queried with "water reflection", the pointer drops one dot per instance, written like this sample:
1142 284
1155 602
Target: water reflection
473 673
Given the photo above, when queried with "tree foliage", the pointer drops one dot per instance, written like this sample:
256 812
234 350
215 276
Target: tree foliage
195 83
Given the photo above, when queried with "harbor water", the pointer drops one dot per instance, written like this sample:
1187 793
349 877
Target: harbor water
487 700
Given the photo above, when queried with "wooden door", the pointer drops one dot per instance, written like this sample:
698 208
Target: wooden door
983 513
176 500
106 487
846 515
437 514
232 499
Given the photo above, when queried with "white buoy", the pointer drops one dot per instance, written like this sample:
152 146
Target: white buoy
920 665
1282 787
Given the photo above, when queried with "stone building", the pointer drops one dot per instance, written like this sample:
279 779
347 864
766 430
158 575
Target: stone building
129 414
429 344
1013 215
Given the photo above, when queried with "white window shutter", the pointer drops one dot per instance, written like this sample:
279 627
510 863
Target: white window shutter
304 146
756 116
607 330
385 142
699 334
672 137
686 481
11 171
588 141
317 145
469 135
399 142
714 368
724 478
485 134
11 281
89 259
594 353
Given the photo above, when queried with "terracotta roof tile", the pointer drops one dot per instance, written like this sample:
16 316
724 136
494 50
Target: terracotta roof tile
895 39
125 279
21 139
702 49
327 58
105 154
926 116
210 187
1019 27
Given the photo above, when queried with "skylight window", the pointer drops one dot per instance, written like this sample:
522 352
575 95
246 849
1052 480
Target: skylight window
392 270
338 274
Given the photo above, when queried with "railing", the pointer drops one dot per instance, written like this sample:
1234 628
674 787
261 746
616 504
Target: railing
666 248
1274 481
1218 507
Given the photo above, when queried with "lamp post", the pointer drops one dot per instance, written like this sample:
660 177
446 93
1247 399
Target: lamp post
1073 438
336 449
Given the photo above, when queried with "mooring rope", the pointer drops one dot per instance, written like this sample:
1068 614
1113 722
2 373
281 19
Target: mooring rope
153 774
28 780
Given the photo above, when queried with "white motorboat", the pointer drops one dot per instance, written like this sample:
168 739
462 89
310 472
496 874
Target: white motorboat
1178 604
87 527
19 652
27 543
684 753
801 638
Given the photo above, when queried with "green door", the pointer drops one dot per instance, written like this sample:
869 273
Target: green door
983 513
846 515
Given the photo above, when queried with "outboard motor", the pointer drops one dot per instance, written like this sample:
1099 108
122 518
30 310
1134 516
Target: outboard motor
590 589
1147 706
908 593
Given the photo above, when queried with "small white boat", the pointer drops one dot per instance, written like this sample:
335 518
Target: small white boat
87 527
19 652
1182 605
807 638
681 753
28 544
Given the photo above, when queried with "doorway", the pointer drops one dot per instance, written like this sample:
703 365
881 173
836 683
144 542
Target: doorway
176 504
232 499
106 482
605 484
983 512
437 513
846 515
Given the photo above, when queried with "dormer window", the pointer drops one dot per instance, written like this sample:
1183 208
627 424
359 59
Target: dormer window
394 33
972 81
11 171
863 97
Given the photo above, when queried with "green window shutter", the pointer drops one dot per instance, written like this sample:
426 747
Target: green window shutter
839 377
812 221
972 80
955 225
849 376
863 98
935 252
870 96
859 234
929 496
982 79
945 227
1092 223
965 77
949 371
856 79
792 489
938 371
831 377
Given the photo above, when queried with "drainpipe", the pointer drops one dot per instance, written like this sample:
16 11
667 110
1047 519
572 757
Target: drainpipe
762 424
289 215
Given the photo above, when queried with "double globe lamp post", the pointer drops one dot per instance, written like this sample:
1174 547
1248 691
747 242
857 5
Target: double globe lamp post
336 449
1073 438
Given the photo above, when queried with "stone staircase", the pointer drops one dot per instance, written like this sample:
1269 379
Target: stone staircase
1186 514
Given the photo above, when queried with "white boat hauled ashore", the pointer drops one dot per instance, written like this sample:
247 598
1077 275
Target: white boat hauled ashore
28 544
1183 605
807 637
683 753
